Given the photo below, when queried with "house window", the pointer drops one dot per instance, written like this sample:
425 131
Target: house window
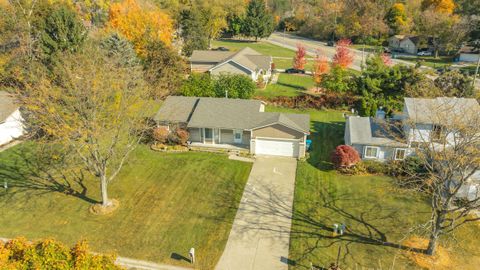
371 152
400 154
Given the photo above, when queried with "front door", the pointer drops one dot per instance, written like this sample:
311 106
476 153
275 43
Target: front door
208 135
237 136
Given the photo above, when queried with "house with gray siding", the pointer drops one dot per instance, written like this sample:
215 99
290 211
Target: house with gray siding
246 62
236 124
422 120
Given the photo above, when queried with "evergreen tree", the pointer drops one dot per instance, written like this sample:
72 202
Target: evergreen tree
194 33
119 47
62 30
258 21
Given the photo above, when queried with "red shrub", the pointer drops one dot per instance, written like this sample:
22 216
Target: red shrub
345 156
182 136
160 134
299 60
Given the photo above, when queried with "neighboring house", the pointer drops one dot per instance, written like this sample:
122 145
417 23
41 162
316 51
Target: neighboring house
409 44
246 62
468 54
236 124
421 121
11 121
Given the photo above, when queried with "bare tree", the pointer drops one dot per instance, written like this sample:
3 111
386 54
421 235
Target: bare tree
92 106
446 138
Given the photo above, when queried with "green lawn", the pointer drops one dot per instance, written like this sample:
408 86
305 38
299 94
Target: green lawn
371 206
288 85
430 61
282 57
168 204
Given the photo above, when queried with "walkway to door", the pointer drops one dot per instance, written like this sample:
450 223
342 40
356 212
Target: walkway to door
260 234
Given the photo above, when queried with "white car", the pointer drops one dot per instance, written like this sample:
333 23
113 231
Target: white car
424 53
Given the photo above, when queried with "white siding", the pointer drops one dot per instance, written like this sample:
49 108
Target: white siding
468 57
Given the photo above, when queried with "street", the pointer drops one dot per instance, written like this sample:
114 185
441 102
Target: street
290 41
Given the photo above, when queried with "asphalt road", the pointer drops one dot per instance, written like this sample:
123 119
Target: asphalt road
290 42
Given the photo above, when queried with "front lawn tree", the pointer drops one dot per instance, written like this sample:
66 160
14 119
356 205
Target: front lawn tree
91 106
450 157
258 22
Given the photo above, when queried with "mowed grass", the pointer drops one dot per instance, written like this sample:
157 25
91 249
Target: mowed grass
372 207
168 204
288 85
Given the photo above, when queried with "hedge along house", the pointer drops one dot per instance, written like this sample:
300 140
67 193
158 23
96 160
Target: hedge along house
236 124
422 121
245 62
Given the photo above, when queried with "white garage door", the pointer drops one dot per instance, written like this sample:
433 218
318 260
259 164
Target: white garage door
276 147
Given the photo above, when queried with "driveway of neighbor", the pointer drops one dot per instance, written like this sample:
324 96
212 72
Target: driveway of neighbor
259 239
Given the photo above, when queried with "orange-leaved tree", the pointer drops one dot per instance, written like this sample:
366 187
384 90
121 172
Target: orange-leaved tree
343 57
320 68
141 25
442 6
299 60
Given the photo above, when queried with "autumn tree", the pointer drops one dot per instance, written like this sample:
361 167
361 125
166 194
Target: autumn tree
164 70
92 106
441 6
321 66
455 84
258 22
299 60
451 156
19 253
343 57
446 30
396 17
141 25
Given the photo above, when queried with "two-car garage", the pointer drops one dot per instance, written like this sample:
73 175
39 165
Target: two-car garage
278 140
277 147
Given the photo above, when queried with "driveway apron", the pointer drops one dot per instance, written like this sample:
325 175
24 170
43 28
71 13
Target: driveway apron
259 239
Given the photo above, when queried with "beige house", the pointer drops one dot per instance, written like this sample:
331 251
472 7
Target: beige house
408 44
246 62
236 124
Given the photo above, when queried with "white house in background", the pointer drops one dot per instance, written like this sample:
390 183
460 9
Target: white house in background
421 121
11 121
246 62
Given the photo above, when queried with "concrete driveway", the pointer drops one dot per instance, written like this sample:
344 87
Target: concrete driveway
260 234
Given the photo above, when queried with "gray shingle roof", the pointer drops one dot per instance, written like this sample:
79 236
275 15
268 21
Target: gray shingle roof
370 131
246 57
176 109
205 56
438 110
226 113
7 105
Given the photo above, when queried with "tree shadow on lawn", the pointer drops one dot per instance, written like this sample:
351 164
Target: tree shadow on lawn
294 86
41 171
325 137
267 210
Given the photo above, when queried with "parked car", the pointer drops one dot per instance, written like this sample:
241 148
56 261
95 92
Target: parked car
222 49
294 70
398 50
386 50
331 43
424 53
